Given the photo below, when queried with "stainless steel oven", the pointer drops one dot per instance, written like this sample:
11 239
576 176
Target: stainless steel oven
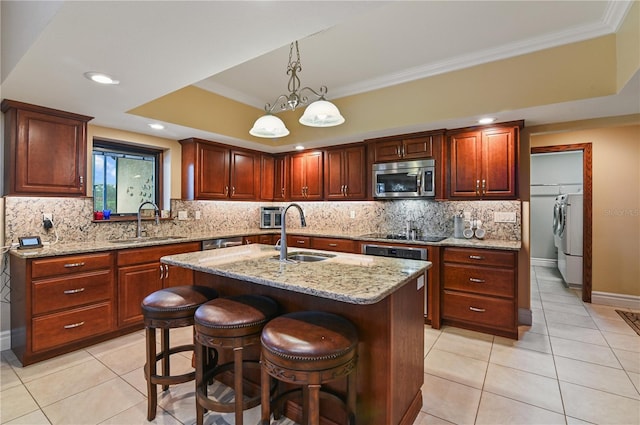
405 179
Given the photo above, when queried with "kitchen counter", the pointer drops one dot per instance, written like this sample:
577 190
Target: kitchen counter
382 297
67 248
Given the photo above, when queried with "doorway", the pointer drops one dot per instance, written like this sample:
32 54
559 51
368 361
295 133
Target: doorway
587 184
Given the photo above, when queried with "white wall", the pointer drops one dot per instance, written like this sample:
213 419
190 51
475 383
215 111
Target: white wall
552 174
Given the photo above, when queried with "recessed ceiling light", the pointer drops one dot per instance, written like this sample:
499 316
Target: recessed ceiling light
156 126
486 120
100 78
299 147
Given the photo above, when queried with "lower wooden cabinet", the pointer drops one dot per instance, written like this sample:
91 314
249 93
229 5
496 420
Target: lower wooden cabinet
334 244
479 290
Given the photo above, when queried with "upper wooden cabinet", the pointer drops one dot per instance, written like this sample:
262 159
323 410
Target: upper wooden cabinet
215 171
281 178
483 162
406 146
45 151
306 176
344 173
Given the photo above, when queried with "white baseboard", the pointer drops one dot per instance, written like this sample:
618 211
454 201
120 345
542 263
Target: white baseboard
616 300
5 340
544 262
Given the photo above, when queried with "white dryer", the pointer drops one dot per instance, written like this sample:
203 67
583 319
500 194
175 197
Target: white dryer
569 234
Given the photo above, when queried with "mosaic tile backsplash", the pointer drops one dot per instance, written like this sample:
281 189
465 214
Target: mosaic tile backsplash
73 218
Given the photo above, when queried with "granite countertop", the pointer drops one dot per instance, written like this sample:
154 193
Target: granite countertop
350 278
69 248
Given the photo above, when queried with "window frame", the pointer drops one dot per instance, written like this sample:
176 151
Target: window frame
118 146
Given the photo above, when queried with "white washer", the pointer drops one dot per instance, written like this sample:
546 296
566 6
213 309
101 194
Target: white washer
571 238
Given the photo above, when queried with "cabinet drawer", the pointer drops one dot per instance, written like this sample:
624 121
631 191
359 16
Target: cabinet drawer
481 257
480 280
69 264
150 254
330 244
299 241
56 294
61 328
479 309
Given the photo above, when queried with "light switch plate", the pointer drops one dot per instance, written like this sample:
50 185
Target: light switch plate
504 217
182 215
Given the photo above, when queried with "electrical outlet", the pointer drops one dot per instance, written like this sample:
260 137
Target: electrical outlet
197 215
182 215
352 214
47 216
467 215
504 217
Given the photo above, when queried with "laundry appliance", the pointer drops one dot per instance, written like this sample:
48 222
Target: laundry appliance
568 238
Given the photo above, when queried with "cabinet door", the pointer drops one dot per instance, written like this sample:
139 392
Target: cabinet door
51 155
297 177
464 165
354 174
498 163
387 151
333 174
135 283
212 174
313 176
281 178
418 148
267 177
245 175
177 276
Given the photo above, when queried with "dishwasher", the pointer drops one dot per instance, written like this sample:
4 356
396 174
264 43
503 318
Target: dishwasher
221 243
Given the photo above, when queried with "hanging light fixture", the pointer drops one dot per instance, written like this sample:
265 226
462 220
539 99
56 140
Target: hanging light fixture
320 113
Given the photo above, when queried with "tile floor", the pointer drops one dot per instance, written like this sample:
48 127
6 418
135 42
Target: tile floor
579 363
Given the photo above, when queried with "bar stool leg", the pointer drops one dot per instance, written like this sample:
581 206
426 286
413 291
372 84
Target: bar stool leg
265 381
164 342
200 354
351 397
150 370
313 393
237 383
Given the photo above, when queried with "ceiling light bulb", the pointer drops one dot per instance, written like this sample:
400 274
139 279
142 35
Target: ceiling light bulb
486 120
156 126
100 78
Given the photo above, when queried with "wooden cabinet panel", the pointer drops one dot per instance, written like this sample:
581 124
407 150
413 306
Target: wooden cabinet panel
71 291
298 241
245 175
404 147
134 284
419 147
132 256
491 312
334 244
344 173
482 257
30 133
267 177
281 178
499 169
56 266
212 172
62 328
177 276
486 280
306 176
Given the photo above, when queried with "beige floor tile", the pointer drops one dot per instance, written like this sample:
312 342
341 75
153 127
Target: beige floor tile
576 421
179 365
430 337
552 287
135 338
454 367
466 343
616 325
67 382
536 303
623 342
94 405
635 378
570 319
562 297
179 401
495 410
564 308
8 377
518 385
630 360
599 407
526 360
595 376
449 400
528 340
16 402
124 359
576 333
34 418
603 311
138 415
586 352
47 367
426 419
181 336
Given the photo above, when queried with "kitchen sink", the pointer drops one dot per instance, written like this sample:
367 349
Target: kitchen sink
146 239
306 257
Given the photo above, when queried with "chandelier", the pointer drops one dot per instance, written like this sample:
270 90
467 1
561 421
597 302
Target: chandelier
320 113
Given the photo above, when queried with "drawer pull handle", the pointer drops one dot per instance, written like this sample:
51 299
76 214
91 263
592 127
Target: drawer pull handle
478 310
473 279
476 257
70 265
300 242
74 325
333 244
73 291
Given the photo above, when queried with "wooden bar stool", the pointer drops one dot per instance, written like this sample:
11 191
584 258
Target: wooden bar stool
165 309
309 348
228 323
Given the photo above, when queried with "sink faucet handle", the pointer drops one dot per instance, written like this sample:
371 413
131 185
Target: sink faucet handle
278 245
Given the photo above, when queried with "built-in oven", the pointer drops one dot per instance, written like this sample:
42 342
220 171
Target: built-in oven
405 179
416 253
270 217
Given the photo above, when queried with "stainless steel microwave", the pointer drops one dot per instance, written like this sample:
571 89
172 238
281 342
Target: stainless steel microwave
405 179
270 217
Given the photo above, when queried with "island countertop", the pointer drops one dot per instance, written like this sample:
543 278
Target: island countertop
350 278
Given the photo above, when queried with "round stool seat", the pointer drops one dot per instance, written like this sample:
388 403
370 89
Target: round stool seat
234 316
176 302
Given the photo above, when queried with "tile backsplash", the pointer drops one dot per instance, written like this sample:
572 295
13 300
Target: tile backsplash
73 218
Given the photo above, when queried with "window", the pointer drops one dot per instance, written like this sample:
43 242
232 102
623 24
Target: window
124 176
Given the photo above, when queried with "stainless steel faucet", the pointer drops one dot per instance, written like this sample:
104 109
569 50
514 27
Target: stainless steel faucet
283 230
156 213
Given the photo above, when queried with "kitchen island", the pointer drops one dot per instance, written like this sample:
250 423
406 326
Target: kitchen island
383 297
